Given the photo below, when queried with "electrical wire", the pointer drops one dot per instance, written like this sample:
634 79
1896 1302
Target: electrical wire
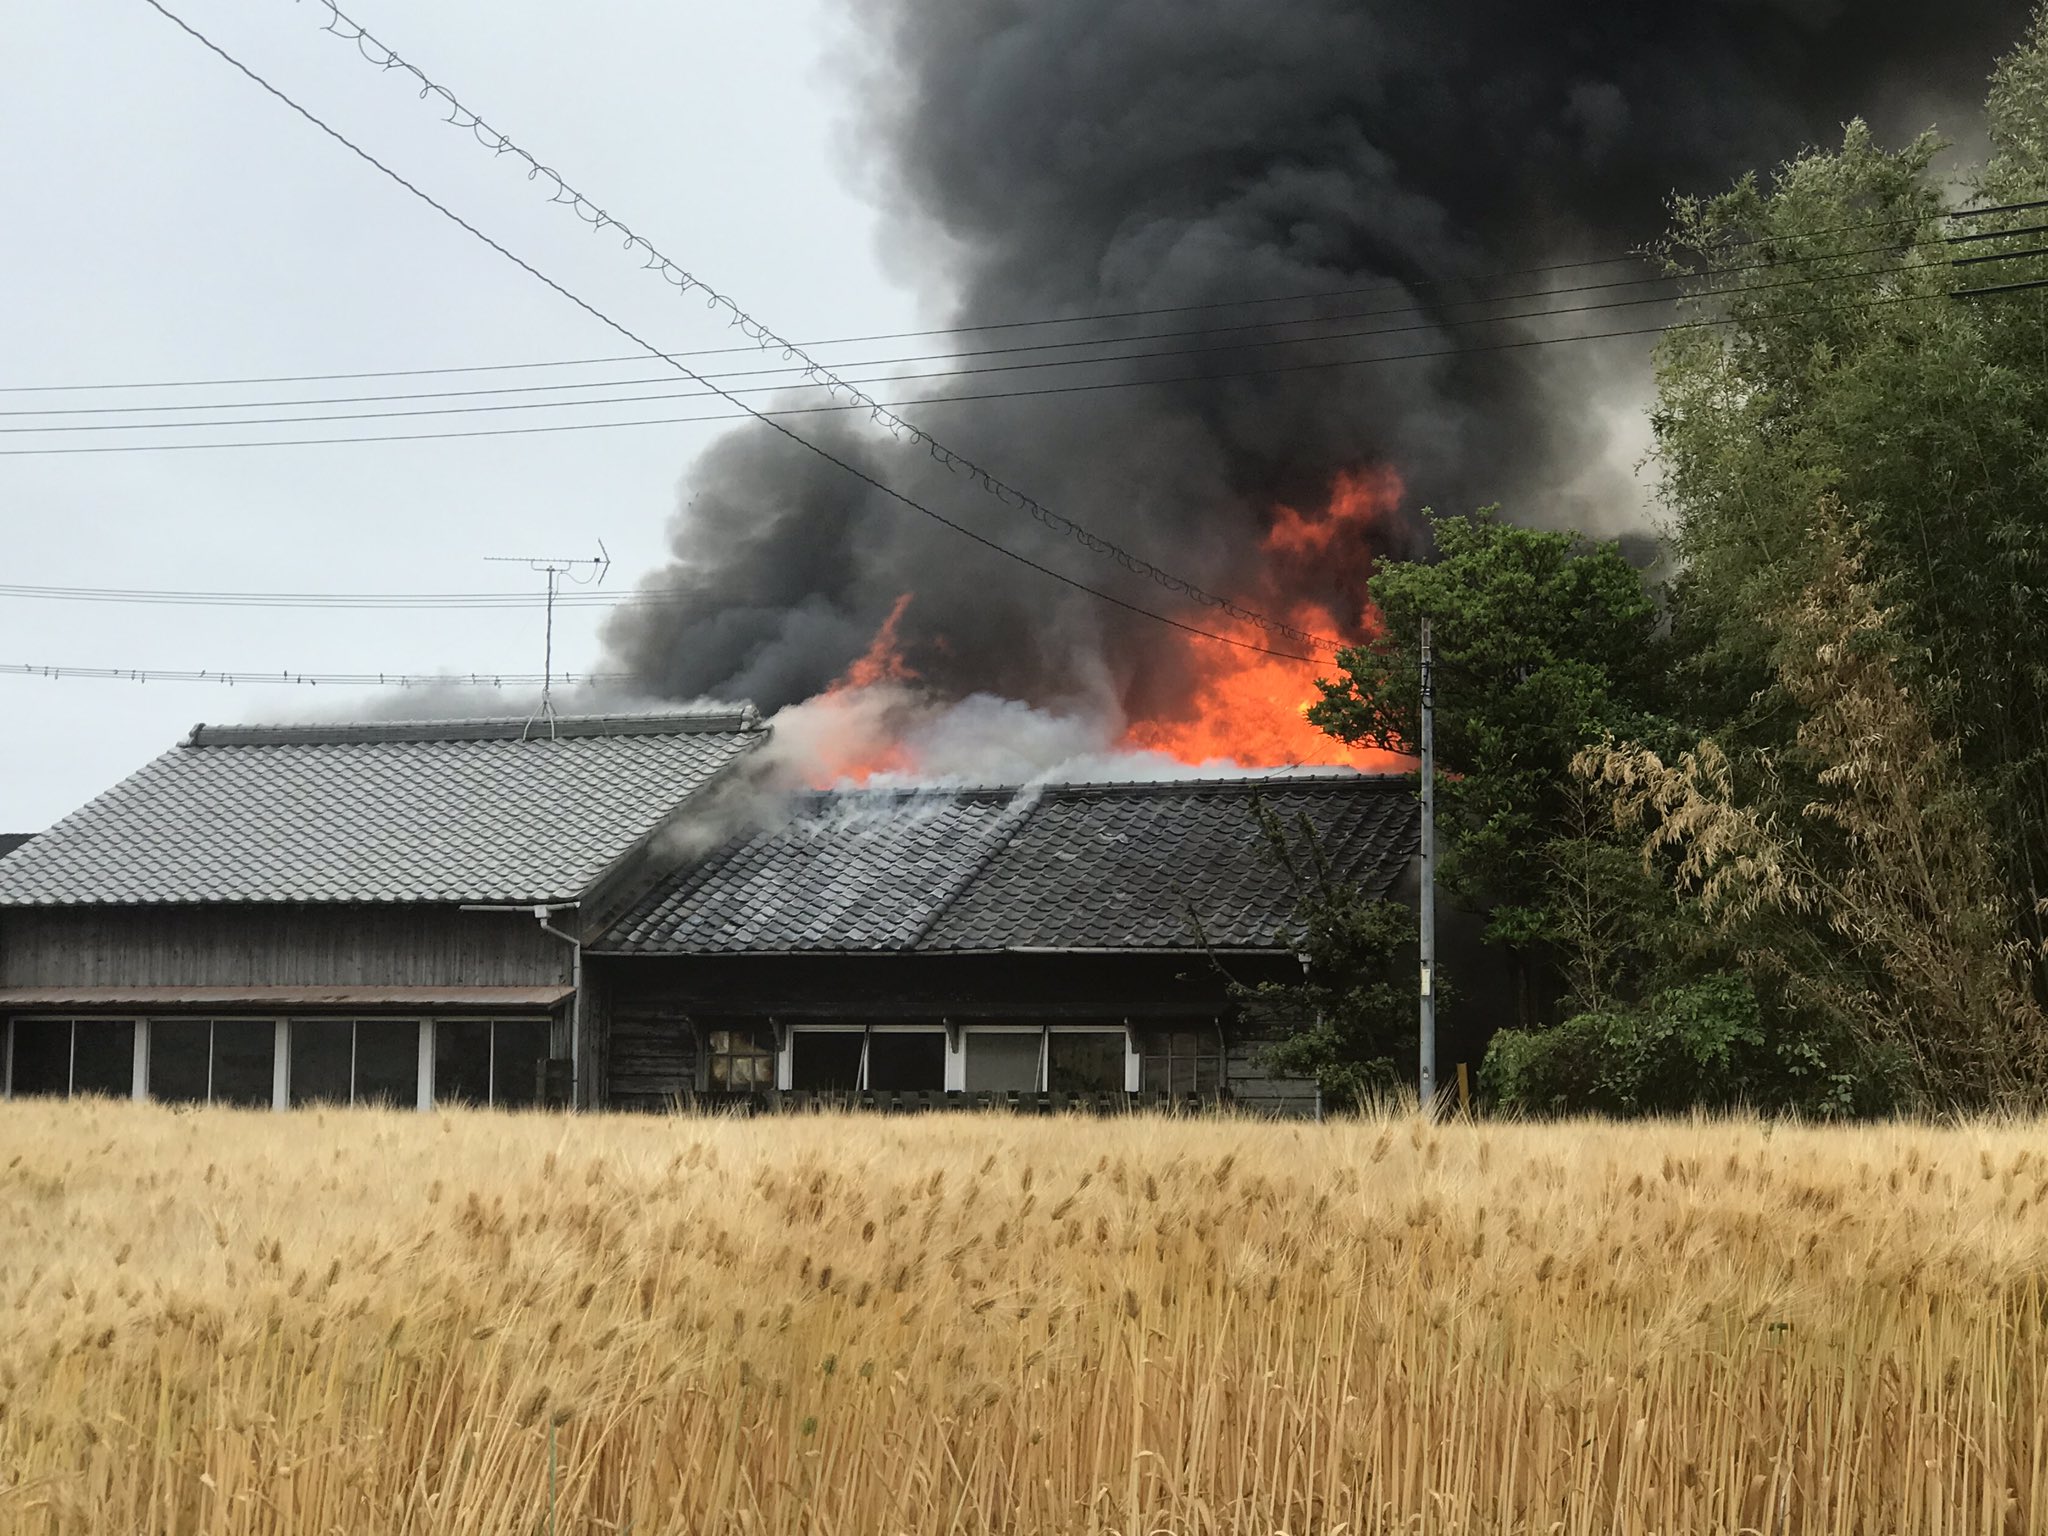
1093 542
346 27
1432 325
316 679
342 601
766 414
1410 307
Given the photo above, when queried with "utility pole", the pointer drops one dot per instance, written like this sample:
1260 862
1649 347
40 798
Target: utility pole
1426 904
555 567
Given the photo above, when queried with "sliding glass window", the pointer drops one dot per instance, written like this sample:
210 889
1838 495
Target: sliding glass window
55 1058
220 1061
490 1062
355 1061
1003 1060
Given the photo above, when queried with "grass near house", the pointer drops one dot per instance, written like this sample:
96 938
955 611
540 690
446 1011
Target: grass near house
370 1322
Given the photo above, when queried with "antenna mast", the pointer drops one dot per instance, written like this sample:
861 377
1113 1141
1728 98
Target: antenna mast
555 567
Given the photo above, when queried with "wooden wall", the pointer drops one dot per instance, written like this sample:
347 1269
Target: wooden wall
643 1052
1257 1091
276 946
650 1056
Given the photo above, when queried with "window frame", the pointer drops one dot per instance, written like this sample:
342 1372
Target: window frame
72 1022
431 1097
761 1047
1209 1046
1123 1033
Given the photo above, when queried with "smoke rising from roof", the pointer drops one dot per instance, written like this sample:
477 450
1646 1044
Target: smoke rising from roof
1068 157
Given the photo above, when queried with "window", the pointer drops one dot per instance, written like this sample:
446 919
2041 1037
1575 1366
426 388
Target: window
355 1061
825 1060
737 1061
388 1062
56 1057
1183 1061
901 1061
462 1061
244 1062
223 1061
519 1053
1085 1061
1002 1061
323 1061
478 1061
180 1060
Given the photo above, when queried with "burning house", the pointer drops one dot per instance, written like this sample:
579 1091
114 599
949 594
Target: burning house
628 912
1072 940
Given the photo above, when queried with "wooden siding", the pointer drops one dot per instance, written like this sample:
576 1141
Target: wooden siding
1257 1091
651 1057
276 946
643 1051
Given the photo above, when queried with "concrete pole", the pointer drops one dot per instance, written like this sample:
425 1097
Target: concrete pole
1426 905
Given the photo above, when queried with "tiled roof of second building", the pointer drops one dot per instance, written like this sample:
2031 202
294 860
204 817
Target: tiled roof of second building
403 811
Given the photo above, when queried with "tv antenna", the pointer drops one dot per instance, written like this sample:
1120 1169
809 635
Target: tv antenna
588 570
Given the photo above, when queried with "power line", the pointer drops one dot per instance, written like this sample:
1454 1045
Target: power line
226 598
315 679
1432 325
1093 542
499 143
1099 317
766 414
1096 341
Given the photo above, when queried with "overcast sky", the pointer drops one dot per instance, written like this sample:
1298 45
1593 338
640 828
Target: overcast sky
169 221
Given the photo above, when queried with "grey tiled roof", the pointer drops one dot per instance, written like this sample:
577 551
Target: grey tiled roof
9 841
433 811
1137 867
846 872
1104 866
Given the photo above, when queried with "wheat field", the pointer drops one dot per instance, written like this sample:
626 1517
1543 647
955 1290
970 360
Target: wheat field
369 1322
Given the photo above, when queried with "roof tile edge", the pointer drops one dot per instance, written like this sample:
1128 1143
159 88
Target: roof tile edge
743 718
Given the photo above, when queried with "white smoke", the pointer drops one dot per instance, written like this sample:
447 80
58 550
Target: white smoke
895 734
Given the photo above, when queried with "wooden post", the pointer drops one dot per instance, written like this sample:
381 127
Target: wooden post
1464 1090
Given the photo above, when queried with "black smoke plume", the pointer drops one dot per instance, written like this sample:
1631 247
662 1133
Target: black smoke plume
1072 157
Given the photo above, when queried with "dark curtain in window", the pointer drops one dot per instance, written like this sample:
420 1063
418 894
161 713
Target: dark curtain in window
522 1047
320 1060
244 1059
825 1061
388 1062
105 1060
42 1058
178 1051
900 1063
462 1061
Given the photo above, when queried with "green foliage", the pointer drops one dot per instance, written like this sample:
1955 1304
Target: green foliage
1350 1022
1705 1044
1920 415
1543 642
1804 862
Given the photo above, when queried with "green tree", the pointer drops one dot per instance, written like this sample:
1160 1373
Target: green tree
1350 1021
1544 642
1836 369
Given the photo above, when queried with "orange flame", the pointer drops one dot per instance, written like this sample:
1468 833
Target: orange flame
851 722
882 661
1246 707
1251 709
